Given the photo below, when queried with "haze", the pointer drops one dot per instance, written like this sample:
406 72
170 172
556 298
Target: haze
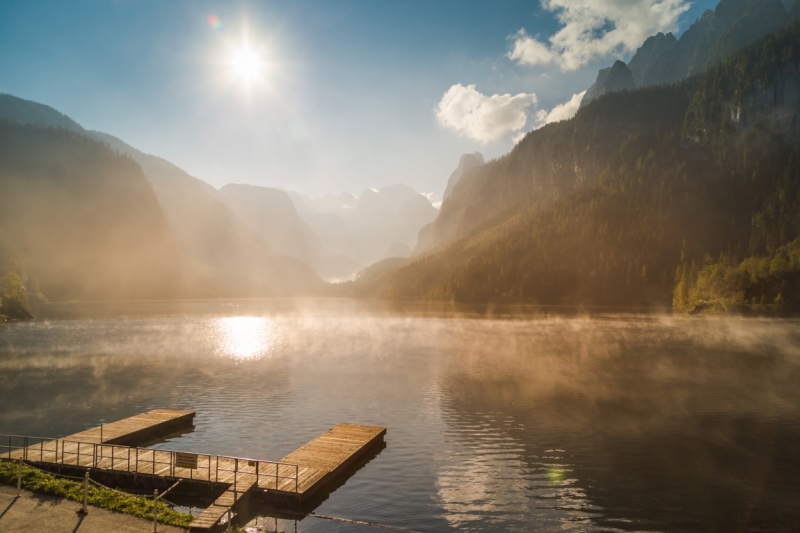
322 97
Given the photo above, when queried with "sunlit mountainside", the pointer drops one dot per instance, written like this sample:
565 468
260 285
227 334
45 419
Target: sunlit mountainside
79 219
639 191
240 241
676 184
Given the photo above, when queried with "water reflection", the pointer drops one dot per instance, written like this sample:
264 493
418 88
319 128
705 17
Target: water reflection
523 424
245 338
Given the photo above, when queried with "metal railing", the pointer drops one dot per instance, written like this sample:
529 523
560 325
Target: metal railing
267 475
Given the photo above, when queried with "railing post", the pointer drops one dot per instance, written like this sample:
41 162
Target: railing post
296 478
155 508
19 478
85 509
129 459
25 449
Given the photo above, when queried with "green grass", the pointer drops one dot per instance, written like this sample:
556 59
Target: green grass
37 481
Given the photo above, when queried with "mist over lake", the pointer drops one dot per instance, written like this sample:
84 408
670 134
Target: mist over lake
508 419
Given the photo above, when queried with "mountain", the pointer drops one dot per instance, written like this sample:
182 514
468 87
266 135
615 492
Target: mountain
358 231
398 249
637 192
222 255
662 59
427 236
219 254
78 219
272 215
645 61
617 77
467 161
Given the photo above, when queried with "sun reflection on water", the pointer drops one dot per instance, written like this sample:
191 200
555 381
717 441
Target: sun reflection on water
245 338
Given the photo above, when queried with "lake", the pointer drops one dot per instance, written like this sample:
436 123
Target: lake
499 419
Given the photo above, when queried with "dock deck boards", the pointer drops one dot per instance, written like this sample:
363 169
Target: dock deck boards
131 429
127 431
300 474
317 463
330 453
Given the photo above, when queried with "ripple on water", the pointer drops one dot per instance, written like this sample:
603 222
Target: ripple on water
527 424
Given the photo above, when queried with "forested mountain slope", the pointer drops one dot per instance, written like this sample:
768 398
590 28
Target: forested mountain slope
637 184
219 255
79 220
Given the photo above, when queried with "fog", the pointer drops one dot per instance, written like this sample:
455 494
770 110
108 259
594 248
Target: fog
496 417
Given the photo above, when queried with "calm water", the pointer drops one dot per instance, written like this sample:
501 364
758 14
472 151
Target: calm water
497 422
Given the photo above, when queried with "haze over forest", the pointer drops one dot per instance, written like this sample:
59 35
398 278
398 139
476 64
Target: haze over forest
670 181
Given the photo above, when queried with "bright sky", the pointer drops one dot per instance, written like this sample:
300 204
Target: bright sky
320 96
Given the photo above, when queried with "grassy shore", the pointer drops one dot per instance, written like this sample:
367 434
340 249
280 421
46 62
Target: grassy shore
37 481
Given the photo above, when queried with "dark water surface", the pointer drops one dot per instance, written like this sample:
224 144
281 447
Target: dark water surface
500 422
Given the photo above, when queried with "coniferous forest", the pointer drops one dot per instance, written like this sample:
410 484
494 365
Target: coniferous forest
686 194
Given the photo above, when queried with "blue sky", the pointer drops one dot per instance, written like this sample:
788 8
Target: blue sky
349 94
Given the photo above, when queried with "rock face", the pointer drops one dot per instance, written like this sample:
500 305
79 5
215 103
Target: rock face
466 162
647 56
617 77
717 34
738 24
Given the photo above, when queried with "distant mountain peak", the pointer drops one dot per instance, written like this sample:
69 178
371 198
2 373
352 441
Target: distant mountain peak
617 77
466 162
663 59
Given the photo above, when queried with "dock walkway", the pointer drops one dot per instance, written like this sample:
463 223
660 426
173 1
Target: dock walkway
298 475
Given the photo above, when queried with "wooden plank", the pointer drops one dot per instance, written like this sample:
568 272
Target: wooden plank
329 454
214 513
136 428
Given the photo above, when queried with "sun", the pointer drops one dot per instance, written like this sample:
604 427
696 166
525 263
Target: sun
246 65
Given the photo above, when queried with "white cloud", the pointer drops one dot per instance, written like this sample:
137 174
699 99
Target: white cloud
437 205
560 112
481 117
592 29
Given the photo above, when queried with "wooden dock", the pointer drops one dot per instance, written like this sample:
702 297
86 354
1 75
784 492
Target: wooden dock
136 429
317 464
297 476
